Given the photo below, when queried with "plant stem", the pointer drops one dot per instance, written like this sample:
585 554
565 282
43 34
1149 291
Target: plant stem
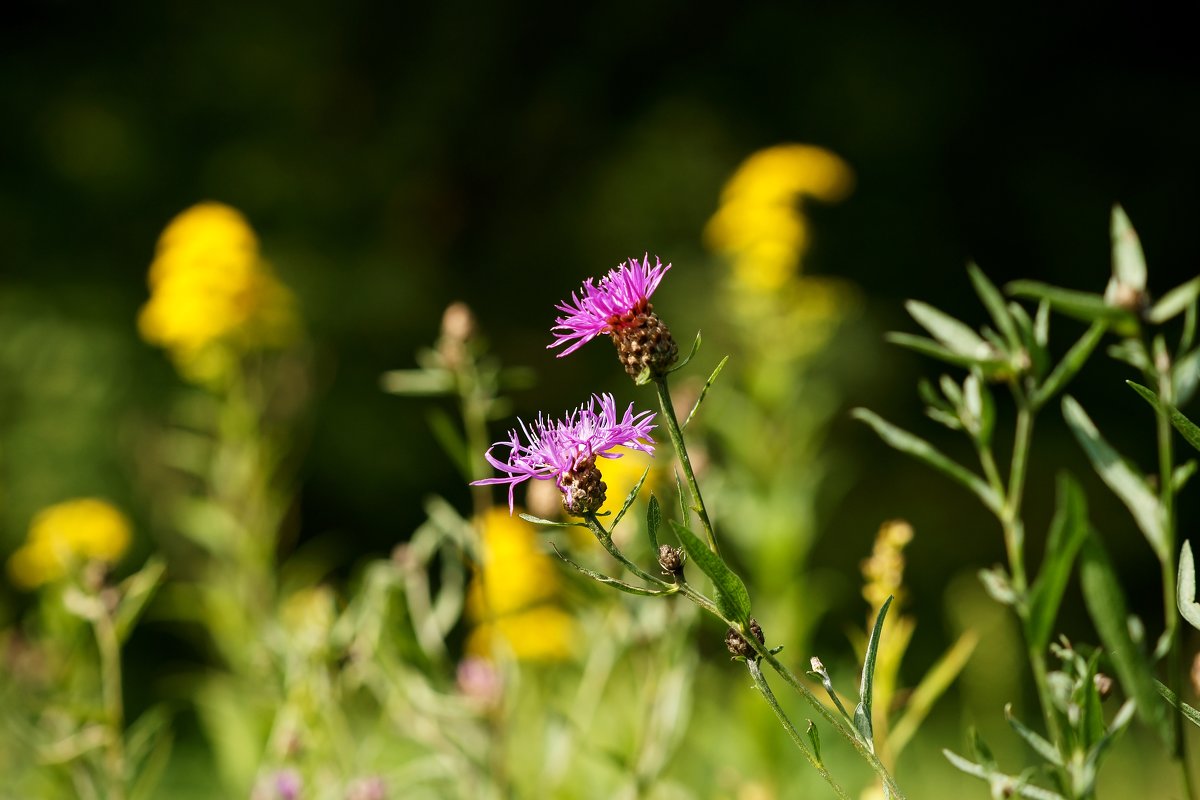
114 707
676 434
605 539
764 688
1166 469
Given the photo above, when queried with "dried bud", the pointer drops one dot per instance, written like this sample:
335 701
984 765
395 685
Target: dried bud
1104 685
671 560
738 647
643 342
458 327
582 487
756 629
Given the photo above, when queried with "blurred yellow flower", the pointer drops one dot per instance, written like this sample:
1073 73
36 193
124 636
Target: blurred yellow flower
212 295
67 534
512 598
759 226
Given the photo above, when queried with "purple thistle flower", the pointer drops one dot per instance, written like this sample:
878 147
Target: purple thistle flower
622 293
564 449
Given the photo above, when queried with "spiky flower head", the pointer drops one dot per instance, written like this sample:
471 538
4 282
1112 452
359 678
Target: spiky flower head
619 306
565 450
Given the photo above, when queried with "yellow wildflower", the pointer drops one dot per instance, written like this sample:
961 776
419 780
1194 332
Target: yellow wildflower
66 534
211 293
512 598
759 226
883 572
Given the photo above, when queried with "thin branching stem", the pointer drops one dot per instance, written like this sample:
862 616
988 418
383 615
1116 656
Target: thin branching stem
760 682
671 423
109 647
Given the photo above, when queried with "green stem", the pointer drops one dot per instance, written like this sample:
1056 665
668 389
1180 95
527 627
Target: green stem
760 681
1166 470
676 434
605 539
114 706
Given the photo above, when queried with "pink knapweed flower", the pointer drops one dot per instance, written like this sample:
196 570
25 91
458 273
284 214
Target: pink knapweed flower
565 450
620 295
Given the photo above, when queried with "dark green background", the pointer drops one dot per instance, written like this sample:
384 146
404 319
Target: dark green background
394 158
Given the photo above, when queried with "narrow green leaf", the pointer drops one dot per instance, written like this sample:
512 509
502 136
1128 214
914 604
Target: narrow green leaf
732 598
1091 765
1068 530
866 691
1106 604
1189 713
550 523
1174 302
1185 595
1071 363
695 349
1043 748
923 451
1186 377
1030 338
613 582
136 592
928 347
1187 429
1129 263
814 738
947 330
1182 474
704 391
452 441
1080 305
629 498
417 382
653 523
684 513
995 304
1041 323
1122 477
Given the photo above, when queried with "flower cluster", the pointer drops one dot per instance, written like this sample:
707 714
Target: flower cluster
513 597
212 295
65 535
565 450
619 306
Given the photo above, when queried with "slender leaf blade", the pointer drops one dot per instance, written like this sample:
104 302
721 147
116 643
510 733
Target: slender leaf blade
923 451
1174 302
1038 743
994 302
1125 480
862 713
952 333
704 391
1071 363
629 498
606 580
1187 429
732 598
932 349
653 523
1106 604
1185 594
1080 305
1068 530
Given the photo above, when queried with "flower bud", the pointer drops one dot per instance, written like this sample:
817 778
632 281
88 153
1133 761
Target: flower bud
671 560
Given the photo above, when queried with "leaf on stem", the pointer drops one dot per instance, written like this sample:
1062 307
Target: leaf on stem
653 522
695 349
1122 477
1174 302
732 598
1185 595
613 582
633 493
1189 713
550 522
1071 363
136 591
704 391
1068 530
1080 305
814 738
994 302
923 451
862 712
1040 745
1106 604
950 332
1187 429
1186 377
1004 785
990 362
